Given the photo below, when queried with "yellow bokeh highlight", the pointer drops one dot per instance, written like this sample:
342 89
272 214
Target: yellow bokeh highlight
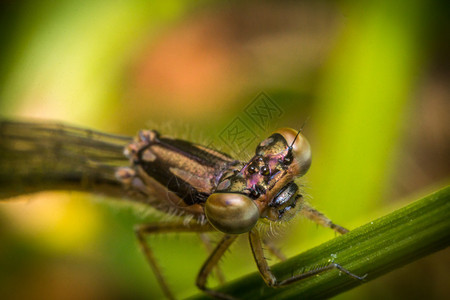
60 222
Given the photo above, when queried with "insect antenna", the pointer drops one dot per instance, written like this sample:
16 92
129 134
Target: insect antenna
300 131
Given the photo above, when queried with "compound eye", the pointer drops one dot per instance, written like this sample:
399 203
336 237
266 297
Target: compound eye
300 152
231 213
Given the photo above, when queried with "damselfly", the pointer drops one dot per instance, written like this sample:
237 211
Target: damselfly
207 188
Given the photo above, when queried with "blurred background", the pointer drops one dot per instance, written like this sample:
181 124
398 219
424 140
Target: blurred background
372 79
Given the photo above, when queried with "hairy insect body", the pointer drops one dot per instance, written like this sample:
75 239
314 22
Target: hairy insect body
177 176
221 193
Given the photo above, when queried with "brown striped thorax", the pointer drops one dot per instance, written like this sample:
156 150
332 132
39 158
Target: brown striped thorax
183 178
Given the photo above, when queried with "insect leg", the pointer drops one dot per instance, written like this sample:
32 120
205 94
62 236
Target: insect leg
269 277
211 262
209 247
155 228
274 250
320 218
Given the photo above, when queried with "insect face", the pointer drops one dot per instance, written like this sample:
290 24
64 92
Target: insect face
264 186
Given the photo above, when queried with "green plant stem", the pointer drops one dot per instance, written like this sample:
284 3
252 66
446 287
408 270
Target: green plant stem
376 248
